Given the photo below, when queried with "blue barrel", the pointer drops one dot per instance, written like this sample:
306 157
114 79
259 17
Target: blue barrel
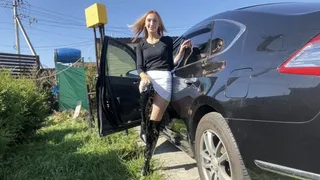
67 55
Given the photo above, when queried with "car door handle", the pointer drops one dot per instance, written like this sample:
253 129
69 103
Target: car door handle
188 82
135 82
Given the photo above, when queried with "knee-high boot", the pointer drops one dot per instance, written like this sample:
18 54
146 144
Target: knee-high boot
153 131
146 99
143 102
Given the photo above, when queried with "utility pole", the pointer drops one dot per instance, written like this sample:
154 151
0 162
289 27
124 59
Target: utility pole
26 37
18 24
15 17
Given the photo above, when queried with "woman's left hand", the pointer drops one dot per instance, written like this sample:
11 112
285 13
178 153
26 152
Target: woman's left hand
185 44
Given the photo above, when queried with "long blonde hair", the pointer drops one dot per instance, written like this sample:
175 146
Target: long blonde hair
139 26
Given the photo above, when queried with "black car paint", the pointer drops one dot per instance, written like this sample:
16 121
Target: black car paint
274 117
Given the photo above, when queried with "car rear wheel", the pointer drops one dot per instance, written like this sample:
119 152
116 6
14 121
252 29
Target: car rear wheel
217 155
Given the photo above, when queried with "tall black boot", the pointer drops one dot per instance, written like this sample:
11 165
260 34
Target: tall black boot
146 100
143 103
153 131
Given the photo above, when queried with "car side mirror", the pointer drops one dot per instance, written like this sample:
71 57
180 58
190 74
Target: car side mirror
132 73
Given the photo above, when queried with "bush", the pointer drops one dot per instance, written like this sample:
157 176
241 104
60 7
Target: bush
23 109
91 72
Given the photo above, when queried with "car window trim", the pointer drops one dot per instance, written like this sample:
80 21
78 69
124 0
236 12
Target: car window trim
235 39
241 31
206 24
123 47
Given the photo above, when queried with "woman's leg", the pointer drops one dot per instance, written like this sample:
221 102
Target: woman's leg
153 129
159 106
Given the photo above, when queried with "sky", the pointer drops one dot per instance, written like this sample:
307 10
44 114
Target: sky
61 23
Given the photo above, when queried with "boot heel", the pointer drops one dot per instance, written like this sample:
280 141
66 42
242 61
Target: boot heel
145 168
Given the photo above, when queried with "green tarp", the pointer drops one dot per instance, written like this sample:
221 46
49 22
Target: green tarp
72 87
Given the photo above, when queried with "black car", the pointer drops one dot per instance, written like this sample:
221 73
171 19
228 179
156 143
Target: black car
246 96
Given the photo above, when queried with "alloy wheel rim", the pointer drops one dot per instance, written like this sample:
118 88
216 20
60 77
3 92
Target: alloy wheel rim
214 159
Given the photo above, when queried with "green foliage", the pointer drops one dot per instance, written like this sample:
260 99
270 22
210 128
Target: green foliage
65 148
91 72
22 109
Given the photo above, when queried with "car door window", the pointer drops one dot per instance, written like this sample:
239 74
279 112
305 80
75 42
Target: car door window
225 33
200 39
119 61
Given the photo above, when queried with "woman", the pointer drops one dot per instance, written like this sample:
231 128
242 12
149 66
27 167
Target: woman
154 64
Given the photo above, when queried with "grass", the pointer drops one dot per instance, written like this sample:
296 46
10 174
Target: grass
67 149
179 127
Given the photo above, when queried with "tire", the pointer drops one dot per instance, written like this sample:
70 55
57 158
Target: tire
213 123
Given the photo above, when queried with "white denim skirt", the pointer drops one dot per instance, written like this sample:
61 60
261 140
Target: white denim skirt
162 83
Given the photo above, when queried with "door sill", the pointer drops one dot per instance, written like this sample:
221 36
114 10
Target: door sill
286 171
181 143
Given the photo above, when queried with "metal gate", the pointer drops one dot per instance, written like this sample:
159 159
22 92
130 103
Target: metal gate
19 64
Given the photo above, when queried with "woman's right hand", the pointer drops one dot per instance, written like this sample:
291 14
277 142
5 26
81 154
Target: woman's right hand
145 79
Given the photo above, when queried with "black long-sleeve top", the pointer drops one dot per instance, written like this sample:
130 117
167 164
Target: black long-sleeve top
156 56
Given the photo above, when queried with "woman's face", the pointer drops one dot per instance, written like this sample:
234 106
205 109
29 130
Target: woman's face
152 23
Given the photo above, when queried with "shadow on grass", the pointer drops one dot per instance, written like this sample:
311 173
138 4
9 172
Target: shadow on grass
50 122
56 136
51 156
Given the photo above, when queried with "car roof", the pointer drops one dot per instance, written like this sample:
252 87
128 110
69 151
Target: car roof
284 8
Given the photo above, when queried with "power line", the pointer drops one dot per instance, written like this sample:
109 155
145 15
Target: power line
58 25
62 23
6 6
56 13
65 45
60 34
48 33
43 21
76 21
55 46
45 16
65 34
18 6
51 17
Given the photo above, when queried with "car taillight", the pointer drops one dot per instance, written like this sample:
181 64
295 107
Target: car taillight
306 61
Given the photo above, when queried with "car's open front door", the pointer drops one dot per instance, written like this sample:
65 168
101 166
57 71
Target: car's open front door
117 88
